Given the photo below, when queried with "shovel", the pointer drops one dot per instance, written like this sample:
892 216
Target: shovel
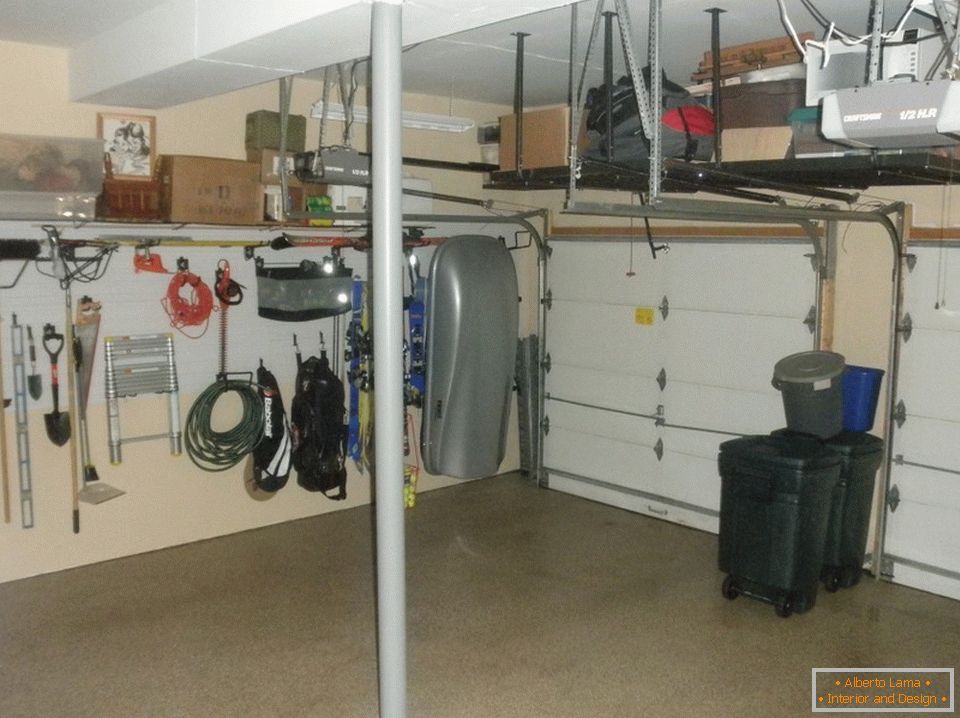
57 423
34 382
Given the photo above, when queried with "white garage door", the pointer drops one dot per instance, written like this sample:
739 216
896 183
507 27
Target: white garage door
637 410
922 541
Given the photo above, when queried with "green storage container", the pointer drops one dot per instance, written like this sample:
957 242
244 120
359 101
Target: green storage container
263 131
775 503
861 455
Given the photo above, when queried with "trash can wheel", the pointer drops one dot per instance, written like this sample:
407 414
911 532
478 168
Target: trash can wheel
784 605
729 589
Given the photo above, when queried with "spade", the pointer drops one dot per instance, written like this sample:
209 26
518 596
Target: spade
34 382
57 422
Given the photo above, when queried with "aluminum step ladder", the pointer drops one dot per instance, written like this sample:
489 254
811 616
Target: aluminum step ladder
141 364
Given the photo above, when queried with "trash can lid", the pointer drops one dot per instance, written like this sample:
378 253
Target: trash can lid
809 367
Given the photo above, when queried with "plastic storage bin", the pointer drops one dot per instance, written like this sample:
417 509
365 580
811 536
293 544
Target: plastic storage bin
775 503
861 389
861 455
811 386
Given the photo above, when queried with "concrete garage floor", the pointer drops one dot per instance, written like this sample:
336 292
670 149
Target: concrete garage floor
522 602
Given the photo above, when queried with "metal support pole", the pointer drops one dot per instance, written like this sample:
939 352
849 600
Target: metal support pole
656 103
608 84
873 52
388 269
518 98
715 89
573 104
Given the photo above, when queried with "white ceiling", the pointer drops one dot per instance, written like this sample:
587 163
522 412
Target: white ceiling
478 64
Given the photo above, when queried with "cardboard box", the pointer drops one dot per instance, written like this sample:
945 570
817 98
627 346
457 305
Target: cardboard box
760 104
210 190
545 138
269 161
756 143
263 131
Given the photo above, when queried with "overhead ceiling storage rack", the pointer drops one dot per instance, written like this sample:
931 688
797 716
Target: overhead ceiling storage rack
814 176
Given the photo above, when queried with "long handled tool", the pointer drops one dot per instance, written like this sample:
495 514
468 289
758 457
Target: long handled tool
23 437
92 491
57 422
4 476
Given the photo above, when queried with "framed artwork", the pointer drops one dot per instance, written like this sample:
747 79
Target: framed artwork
130 143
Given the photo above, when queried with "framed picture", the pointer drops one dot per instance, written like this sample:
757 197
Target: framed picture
130 142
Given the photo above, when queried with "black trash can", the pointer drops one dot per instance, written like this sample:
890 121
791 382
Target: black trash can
775 503
861 455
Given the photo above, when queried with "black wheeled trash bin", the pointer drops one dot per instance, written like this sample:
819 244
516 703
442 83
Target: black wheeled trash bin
861 455
775 502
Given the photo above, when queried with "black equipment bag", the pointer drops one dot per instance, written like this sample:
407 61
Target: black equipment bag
319 439
271 457
686 126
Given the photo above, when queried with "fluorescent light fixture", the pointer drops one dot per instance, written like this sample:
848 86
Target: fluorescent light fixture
413 120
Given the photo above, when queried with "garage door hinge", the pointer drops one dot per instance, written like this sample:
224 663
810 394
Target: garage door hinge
911 260
899 414
547 300
905 327
893 498
811 320
661 416
658 449
546 425
664 307
662 379
547 362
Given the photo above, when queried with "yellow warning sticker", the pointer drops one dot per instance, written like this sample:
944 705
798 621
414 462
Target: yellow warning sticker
644 315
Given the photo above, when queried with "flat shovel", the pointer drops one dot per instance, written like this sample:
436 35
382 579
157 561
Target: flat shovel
34 382
57 422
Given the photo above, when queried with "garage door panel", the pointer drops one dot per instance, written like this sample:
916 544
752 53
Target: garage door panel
929 441
926 287
626 392
598 337
928 384
691 479
641 504
599 457
926 534
696 278
710 407
597 271
587 421
701 444
730 350
927 486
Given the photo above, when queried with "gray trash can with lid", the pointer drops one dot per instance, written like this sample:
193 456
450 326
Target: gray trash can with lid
811 386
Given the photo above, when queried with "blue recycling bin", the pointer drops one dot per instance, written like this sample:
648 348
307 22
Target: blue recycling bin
861 390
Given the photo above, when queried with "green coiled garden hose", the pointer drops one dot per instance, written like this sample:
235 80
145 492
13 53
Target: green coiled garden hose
213 450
